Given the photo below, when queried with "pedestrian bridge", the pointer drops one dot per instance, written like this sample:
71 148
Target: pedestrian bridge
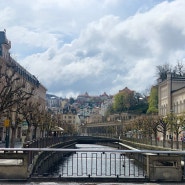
35 162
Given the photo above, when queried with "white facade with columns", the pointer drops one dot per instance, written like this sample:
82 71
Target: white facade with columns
171 95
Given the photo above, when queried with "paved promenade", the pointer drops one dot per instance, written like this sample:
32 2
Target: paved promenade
17 145
55 183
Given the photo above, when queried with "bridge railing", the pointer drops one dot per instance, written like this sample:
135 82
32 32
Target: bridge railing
177 145
107 165
44 142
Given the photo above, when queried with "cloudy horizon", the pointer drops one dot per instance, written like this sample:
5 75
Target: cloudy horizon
78 46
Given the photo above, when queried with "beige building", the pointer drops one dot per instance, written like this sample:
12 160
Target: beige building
69 118
171 98
171 95
94 118
9 65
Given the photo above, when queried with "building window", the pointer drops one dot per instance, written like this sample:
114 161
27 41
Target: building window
165 110
181 107
178 108
175 108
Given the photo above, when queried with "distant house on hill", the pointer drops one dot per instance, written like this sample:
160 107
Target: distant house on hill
83 98
104 96
126 90
52 101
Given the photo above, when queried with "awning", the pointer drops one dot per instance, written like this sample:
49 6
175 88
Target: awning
57 129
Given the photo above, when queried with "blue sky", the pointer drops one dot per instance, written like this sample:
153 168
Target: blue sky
94 46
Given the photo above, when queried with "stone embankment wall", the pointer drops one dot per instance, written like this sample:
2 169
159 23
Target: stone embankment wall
13 165
159 167
46 160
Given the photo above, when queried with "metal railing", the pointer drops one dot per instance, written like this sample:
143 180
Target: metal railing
92 163
107 165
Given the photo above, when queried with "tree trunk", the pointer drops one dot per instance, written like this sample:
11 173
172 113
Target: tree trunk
164 139
13 137
155 136
35 133
42 133
28 138
177 140
150 137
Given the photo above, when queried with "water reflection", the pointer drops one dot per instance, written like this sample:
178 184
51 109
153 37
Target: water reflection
97 164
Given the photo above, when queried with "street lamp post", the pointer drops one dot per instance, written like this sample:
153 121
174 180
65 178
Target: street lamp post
171 128
7 137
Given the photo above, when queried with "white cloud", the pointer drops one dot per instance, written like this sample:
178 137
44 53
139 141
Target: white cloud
6 15
73 50
33 38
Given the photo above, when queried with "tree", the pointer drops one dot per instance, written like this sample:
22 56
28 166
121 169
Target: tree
154 126
179 69
118 104
145 127
110 110
153 101
44 125
138 128
140 104
177 123
30 112
163 70
125 100
71 100
163 128
13 90
130 101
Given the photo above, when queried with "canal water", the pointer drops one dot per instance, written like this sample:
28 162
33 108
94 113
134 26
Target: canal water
97 164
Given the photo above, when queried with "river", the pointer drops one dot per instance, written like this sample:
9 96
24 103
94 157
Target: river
97 164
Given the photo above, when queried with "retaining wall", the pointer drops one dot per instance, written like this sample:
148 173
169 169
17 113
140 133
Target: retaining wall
13 166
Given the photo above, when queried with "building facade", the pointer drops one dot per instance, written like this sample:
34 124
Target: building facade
171 99
171 95
9 65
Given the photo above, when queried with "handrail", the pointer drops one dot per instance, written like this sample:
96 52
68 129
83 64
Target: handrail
91 150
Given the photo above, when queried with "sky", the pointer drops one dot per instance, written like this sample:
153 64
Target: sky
94 46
